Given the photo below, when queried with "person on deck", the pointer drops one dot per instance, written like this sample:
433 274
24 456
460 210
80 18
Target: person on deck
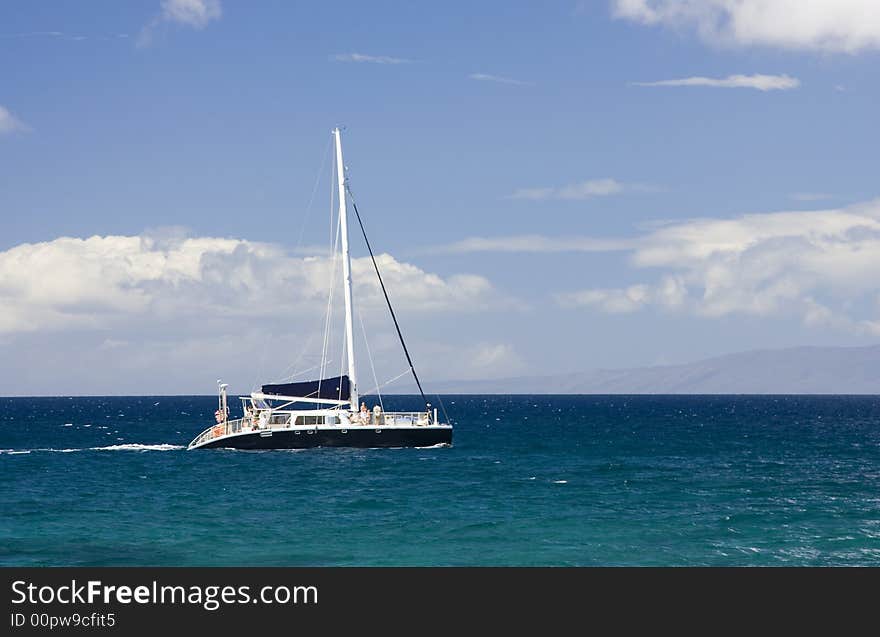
364 414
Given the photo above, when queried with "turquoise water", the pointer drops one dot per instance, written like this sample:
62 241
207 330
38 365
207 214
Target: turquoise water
530 480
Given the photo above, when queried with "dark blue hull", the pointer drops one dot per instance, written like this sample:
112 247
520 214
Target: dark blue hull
359 437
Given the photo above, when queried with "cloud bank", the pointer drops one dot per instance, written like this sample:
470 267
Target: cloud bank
848 26
135 314
101 282
818 265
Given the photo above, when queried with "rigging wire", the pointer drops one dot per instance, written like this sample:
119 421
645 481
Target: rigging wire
302 230
335 244
443 408
314 192
388 382
385 293
262 364
332 276
372 367
290 371
301 372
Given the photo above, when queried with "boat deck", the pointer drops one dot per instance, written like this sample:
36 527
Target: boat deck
334 429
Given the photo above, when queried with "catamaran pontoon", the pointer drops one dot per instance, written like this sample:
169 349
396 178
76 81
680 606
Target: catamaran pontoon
323 413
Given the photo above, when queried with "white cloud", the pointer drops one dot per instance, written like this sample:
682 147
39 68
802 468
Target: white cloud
759 82
821 25
670 293
372 59
485 77
170 314
101 282
193 13
819 265
610 300
190 13
11 124
577 191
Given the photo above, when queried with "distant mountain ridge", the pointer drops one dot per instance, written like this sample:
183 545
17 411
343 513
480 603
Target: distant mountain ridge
798 370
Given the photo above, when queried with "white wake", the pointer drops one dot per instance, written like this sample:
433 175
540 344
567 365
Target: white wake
124 447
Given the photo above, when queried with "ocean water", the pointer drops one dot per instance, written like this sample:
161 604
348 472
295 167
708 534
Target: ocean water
530 480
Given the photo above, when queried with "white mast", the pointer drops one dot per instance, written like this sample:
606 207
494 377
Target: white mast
346 270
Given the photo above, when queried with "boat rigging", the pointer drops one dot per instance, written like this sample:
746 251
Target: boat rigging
324 412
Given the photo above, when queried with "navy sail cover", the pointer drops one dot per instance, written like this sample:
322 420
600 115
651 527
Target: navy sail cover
337 388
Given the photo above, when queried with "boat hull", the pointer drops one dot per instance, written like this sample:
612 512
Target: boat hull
359 437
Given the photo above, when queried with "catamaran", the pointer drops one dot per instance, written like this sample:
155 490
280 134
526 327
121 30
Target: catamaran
324 412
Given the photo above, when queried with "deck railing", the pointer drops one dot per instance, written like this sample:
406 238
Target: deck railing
218 430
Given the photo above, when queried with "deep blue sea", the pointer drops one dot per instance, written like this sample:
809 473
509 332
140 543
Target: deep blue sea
530 480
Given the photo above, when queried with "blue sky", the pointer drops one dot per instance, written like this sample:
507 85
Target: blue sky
545 205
